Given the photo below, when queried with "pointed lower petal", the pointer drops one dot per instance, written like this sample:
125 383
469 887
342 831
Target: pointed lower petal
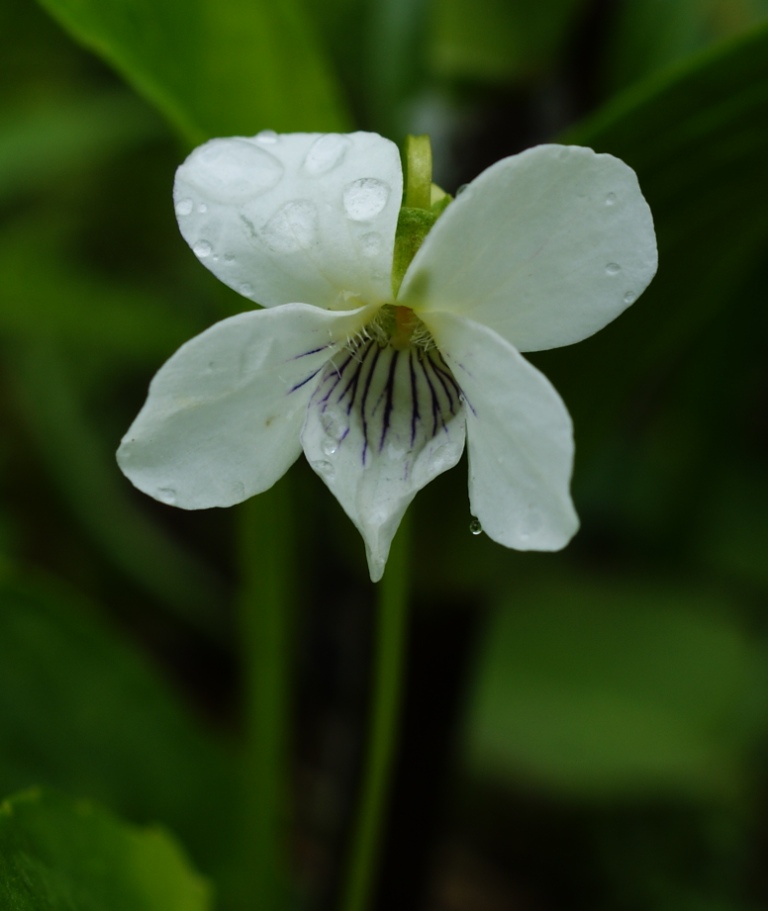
223 416
382 423
520 438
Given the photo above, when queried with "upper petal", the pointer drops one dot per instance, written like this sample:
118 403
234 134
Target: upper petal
294 217
223 416
519 438
382 423
545 247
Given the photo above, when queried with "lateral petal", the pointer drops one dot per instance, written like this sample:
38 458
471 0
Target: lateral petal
519 434
223 416
381 425
545 247
294 217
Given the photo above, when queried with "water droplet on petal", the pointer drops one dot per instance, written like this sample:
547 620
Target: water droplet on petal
329 446
201 249
370 244
202 208
184 206
461 189
365 198
613 269
230 170
324 468
267 137
475 527
326 153
292 228
229 259
167 495
610 199
333 425
630 297
246 289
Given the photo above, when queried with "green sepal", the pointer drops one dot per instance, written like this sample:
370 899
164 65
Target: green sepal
423 203
418 172
413 225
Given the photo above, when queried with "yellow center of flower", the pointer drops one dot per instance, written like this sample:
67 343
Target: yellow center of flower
399 327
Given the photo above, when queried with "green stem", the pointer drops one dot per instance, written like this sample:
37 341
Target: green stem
266 598
389 653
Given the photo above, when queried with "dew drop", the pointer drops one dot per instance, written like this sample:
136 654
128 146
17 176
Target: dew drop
229 258
202 208
474 526
332 425
324 468
326 153
329 446
184 206
246 289
202 249
167 495
630 297
365 198
370 244
610 199
292 228
230 170
461 189
612 269
266 137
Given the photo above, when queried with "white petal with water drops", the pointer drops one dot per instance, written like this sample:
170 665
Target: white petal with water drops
290 217
381 425
223 416
545 247
519 438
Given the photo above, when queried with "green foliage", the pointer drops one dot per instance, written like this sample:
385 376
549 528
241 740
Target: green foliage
82 711
493 40
603 687
57 855
214 69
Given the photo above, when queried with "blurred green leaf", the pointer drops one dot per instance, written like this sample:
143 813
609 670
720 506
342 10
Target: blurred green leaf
57 854
622 687
651 34
495 40
63 300
214 69
81 711
44 144
81 464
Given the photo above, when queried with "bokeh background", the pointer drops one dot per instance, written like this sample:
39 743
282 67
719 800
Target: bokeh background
585 730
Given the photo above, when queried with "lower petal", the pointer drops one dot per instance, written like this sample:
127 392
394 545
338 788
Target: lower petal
520 438
381 425
223 416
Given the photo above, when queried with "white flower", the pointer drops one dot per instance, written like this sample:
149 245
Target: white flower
541 250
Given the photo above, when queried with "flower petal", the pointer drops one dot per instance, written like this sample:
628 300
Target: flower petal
223 416
296 217
382 423
545 247
519 435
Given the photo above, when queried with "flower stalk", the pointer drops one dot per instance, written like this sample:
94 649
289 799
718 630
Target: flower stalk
265 612
389 654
